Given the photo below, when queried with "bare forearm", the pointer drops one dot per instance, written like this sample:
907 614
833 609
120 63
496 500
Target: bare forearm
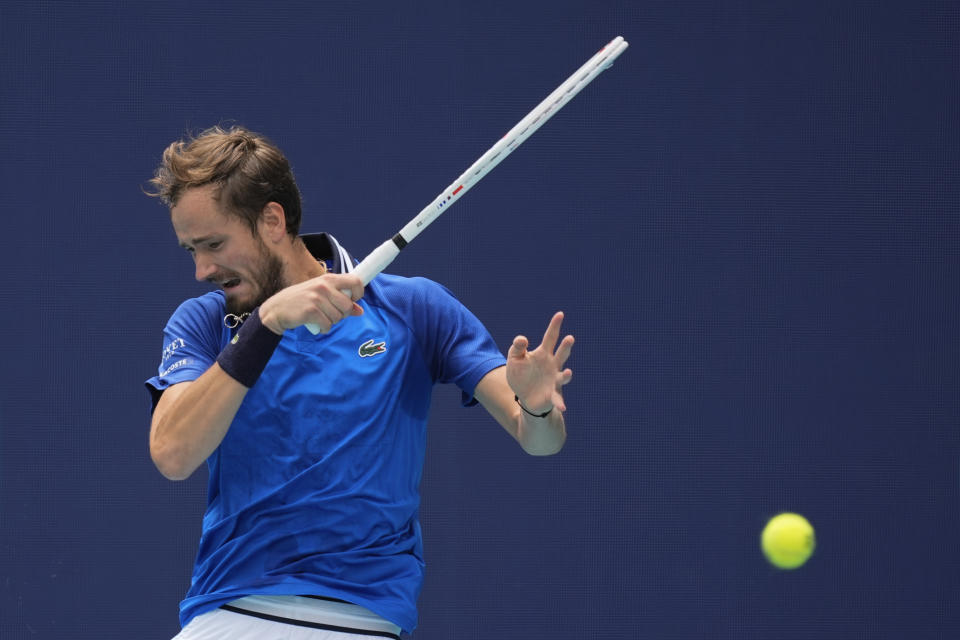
541 436
190 422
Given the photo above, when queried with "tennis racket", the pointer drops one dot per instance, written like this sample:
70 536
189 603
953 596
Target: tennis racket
382 256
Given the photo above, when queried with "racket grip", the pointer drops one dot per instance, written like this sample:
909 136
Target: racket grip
368 269
378 260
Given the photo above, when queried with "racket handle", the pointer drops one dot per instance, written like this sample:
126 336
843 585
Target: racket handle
378 260
368 269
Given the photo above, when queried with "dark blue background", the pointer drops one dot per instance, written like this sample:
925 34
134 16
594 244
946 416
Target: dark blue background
751 221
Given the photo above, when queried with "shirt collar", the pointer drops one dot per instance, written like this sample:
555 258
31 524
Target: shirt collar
325 248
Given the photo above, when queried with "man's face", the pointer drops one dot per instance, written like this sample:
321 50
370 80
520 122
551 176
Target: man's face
225 252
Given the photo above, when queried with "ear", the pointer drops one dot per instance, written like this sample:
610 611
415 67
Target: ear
272 223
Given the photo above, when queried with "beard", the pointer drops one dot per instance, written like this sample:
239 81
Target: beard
267 279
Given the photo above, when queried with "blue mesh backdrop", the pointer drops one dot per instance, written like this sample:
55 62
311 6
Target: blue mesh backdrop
751 222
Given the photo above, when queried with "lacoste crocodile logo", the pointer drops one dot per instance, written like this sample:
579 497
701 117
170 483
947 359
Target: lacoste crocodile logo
369 348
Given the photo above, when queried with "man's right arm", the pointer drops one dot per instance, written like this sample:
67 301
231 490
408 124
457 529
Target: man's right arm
190 421
192 417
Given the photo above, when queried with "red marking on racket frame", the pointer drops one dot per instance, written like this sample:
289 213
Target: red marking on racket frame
457 190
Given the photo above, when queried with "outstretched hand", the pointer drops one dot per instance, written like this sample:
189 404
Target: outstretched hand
537 377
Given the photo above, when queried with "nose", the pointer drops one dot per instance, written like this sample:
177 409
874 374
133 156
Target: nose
204 269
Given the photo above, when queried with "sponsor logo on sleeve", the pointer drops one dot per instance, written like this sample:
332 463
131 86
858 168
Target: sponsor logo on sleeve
171 348
176 365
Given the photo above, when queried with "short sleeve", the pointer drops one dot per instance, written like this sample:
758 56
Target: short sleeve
192 340
456 346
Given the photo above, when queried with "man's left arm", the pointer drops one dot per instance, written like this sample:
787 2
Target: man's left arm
525 396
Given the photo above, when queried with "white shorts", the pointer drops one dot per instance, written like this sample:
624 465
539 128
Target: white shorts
288 618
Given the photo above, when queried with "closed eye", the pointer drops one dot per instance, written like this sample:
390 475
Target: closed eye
205 243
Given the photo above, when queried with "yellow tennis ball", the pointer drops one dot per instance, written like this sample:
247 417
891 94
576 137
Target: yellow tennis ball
787 540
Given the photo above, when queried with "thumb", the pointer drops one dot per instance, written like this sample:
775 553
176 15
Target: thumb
518 348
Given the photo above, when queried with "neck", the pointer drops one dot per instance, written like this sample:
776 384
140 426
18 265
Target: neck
302 266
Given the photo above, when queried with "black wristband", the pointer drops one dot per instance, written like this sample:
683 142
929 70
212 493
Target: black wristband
247 355
535 415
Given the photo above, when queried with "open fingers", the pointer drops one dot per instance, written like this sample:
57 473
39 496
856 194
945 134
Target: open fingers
563 378
566 346
519 347
553 332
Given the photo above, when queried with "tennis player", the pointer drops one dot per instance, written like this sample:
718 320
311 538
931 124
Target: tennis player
314 443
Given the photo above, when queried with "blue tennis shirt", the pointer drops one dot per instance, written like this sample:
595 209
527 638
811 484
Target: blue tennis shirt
314 488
